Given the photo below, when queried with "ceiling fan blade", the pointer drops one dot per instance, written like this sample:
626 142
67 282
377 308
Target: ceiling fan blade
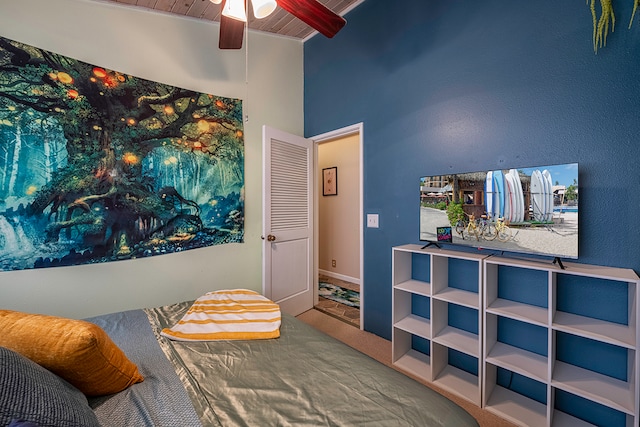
315 14
231 33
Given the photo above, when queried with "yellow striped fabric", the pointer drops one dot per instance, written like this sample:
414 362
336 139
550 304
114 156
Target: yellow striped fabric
236 314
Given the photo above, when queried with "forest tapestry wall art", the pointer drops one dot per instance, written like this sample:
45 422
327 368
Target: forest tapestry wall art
98 166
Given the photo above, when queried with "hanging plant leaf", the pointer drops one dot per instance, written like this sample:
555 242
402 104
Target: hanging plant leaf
601 25
635 7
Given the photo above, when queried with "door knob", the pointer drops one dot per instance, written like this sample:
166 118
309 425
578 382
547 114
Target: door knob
271 238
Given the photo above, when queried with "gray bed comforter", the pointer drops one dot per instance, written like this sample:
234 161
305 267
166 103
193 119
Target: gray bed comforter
303 378
160 400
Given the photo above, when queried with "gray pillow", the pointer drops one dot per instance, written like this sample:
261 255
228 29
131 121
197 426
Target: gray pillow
30 393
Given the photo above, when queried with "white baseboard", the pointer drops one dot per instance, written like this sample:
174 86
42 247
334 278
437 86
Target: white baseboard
340 276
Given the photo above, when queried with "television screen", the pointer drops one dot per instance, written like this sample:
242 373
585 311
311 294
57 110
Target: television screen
531 210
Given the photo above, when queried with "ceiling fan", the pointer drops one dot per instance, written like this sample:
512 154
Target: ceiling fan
312 12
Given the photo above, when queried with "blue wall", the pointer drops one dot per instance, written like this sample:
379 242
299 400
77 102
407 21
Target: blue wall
458 85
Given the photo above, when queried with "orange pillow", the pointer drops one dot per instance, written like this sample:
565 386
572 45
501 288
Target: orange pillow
78 351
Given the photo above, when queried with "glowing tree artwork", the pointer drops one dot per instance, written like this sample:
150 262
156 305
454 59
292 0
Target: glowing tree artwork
97 165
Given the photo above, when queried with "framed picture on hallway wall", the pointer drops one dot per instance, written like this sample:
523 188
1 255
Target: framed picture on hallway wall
330 181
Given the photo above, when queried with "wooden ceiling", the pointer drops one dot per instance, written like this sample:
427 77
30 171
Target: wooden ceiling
279 22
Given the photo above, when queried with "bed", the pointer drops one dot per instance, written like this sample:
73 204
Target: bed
302 378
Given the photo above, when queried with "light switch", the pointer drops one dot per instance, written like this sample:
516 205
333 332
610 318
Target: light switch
372 220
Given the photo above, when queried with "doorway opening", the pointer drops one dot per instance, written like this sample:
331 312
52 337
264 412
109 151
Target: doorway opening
339 230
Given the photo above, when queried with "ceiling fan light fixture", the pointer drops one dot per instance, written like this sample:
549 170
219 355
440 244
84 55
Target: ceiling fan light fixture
216 1
263 8
235 9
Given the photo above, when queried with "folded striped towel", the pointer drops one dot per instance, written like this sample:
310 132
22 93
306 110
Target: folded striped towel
237 314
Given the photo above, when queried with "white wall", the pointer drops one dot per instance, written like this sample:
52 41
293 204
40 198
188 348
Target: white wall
181 52
339 216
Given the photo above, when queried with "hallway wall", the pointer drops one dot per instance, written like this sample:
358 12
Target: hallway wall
339 216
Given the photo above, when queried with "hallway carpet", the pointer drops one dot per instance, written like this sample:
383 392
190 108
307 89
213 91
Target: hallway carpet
339 294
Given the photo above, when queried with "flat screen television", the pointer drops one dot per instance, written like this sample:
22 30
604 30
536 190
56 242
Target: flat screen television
531 210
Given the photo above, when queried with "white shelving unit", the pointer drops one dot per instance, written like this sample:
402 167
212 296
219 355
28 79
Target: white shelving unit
555 322
534 345
433 275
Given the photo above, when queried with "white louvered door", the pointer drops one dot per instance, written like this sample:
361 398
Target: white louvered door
287 272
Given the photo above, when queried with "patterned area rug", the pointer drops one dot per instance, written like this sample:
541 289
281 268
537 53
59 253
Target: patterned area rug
338 294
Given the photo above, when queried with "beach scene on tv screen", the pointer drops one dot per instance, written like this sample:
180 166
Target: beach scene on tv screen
531 210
